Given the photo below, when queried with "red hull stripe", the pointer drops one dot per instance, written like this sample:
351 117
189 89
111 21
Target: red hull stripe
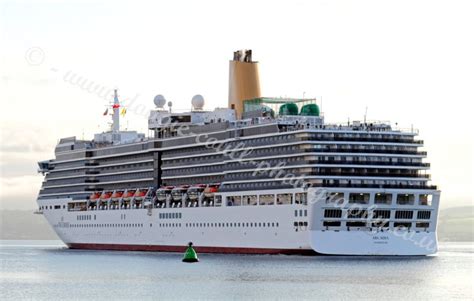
157 248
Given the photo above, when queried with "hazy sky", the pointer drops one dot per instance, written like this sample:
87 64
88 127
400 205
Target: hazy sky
410 62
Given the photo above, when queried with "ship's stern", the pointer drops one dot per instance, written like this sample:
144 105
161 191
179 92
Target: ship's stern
373 222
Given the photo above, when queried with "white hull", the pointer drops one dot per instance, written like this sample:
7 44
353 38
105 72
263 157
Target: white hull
242 229
374 243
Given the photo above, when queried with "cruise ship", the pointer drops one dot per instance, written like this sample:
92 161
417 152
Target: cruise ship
261 176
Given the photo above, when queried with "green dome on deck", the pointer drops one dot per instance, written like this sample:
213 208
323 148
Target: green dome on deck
310 110
289 108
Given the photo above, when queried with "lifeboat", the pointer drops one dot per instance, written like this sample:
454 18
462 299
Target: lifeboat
95 195
210 190
117 194
130 193
140 193
195 191
106 195
163 192
177 192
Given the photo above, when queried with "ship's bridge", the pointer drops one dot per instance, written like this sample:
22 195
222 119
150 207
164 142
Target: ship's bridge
164 119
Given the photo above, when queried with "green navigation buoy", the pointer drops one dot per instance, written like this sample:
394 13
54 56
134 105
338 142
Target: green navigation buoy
190 255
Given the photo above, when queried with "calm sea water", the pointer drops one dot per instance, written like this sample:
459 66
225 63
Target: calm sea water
45 270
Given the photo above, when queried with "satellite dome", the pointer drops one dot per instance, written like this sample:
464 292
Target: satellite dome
159 101
289 108
197 102
311 109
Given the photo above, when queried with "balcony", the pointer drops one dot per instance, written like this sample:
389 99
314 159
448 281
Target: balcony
352 162
368 151
364 139
399 186
91 181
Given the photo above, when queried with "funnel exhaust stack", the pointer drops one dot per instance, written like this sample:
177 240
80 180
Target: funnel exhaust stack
244 81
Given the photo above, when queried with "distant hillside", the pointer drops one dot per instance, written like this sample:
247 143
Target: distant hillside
23 224
455 224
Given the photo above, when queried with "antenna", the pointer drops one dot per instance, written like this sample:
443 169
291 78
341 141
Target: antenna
365 115
321 104
116 113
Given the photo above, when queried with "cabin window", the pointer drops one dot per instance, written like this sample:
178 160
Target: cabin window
300 198
403 214
380 223
357 213
401 226
425 199
405 199
424 214
422 225
334 198
234 201
331 224
333 213
217 200
359 198
383 198
285 198
267 199
355 224
249 200
381 214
